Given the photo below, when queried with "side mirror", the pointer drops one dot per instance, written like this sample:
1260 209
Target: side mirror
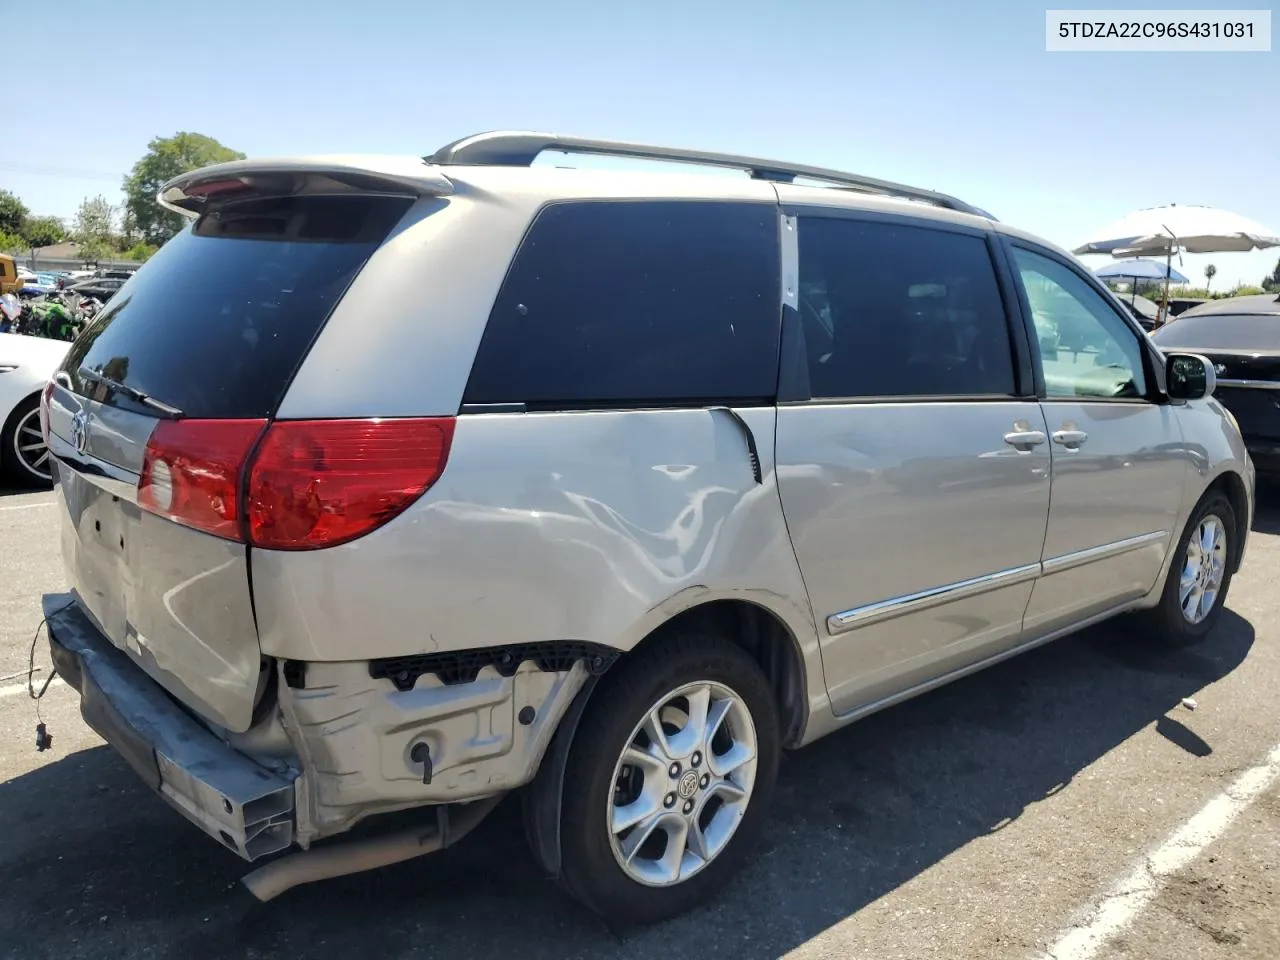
1189 376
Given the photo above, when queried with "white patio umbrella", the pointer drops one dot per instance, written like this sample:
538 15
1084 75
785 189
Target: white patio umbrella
1188 229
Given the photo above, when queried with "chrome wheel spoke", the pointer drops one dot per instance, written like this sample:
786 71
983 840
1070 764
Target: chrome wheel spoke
1191 606
732 759
673 858
657 736
693 734
644 831
647 762
728 791
697 841
1186 585
643 813
1208 534
1207 598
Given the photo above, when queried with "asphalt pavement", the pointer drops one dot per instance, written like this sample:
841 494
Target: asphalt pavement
998 817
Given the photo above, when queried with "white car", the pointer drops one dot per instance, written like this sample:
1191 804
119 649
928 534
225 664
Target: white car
26 364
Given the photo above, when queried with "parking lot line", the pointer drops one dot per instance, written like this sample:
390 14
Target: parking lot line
28 506
16 688
1127 899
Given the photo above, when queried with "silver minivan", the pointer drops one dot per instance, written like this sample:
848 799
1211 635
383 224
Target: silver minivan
407 484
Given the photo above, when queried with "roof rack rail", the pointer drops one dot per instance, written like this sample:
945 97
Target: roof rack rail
514 148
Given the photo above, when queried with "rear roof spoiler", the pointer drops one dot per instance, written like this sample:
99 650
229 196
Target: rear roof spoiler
189 194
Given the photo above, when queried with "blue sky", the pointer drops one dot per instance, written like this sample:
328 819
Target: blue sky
961 97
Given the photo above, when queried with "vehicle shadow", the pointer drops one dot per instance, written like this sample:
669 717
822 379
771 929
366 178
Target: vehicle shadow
91 857
1266 512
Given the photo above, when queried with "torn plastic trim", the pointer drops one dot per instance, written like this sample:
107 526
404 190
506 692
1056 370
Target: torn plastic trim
192 193
463 666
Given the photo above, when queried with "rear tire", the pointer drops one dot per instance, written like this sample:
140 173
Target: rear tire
1200 573
22 445
698 792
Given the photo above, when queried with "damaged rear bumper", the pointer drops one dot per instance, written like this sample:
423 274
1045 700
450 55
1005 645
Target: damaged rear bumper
238 802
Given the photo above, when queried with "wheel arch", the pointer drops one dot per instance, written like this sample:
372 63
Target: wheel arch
765 637
762 632
1232 485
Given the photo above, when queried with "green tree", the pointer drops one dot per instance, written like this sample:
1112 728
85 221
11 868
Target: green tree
92 231
1210 271
140 251
43 231
166 158
13 213
1272 280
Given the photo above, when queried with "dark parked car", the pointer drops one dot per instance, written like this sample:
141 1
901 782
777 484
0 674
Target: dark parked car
1242 338
104 288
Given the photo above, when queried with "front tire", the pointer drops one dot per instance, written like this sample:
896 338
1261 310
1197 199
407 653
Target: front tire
1195 589
669 779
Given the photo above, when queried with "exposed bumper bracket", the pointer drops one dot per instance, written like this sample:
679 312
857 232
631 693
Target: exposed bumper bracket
246 807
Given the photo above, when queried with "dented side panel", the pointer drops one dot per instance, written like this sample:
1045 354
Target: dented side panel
593 526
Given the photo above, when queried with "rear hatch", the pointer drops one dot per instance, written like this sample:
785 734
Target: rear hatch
159 406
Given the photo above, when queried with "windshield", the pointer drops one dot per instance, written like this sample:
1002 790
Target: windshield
1249 333
219 319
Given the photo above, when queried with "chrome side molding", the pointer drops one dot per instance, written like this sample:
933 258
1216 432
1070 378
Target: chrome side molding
936 596
1251 384
1078 559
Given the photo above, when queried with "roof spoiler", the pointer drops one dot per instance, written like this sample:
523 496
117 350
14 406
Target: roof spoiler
191 193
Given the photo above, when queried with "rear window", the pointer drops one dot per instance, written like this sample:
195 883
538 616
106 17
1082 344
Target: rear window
628 303
1218 331
219 319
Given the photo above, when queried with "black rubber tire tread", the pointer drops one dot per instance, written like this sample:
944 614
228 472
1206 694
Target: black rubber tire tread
10 470
589 871
1164 622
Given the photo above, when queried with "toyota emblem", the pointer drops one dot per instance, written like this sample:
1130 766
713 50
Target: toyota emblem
80 431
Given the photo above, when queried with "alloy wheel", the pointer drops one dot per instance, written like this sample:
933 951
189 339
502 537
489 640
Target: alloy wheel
682 784
1203 569
29 446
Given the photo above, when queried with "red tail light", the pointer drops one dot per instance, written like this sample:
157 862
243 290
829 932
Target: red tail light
318 483
311 484
191 472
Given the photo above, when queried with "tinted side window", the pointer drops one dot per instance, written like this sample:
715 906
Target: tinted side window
892 310
626 302
1086 349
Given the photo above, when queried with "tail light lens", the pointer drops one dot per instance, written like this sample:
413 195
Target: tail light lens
310 484
191 472
319 483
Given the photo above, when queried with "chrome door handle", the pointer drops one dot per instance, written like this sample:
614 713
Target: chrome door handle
1024 439
1070 438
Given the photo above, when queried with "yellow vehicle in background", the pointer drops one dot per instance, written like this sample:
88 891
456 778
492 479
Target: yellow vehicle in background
9 281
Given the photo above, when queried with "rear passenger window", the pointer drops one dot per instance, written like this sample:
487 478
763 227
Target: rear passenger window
900 311
613 303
